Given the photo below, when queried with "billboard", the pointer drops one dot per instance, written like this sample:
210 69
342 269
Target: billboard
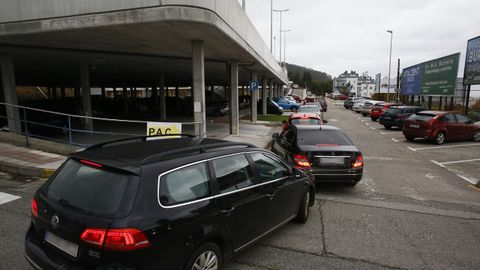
411 80
472 62
433 78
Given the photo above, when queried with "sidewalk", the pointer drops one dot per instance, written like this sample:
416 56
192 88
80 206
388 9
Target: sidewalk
28 162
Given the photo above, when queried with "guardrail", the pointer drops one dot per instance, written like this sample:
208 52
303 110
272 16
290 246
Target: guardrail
70 128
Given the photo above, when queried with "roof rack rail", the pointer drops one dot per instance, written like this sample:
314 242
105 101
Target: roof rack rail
196 149
139 138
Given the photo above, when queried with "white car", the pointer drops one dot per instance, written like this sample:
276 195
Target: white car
367 106
358 105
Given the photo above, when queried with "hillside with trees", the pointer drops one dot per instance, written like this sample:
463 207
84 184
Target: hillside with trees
317 81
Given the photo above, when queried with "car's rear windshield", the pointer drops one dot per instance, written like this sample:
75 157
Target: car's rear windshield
308 109
322 137
91 190
425 117
306 121
394 110
378 105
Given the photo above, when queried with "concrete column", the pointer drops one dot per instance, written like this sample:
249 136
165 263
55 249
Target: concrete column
264 96
10 93
154 96
125 101
114 93
62 90
199 106
103 92
163 106
270 94
234 111
54 92
253 103
86 101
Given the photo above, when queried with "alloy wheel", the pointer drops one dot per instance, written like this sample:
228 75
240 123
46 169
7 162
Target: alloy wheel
206 261
440 138
476 136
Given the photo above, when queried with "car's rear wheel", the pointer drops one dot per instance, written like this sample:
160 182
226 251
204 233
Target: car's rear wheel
304 211
410 138
387 126
364 114
206 257
374 119
439 138
476 136
351 184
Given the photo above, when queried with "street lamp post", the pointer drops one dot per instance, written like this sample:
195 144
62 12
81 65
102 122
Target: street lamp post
280 30
244 4
389 64
285 44
271 26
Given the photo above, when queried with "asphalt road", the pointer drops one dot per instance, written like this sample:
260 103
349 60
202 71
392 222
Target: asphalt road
414 209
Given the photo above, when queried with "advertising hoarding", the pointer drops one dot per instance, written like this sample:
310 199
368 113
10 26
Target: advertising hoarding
433 78
472 62
411 80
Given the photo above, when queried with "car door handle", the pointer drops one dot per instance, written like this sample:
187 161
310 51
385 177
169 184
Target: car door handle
228 210
271 195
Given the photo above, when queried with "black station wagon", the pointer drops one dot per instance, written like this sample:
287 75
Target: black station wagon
182 203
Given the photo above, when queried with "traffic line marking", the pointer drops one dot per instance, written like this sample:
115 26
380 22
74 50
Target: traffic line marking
395 140
5 198
441 147
459 161
471 181
383 133
372 128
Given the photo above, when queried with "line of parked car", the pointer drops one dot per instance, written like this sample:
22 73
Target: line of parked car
417 121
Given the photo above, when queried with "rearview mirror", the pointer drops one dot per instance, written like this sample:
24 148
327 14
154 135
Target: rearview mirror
275 136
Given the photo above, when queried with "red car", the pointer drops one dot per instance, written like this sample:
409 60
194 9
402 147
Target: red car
378 109
303 119
342 97
440 127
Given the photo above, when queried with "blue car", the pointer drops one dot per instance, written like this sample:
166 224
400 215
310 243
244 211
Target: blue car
286 104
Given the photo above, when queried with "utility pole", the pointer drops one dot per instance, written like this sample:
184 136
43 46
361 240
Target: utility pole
398 80
271 26
285 44
389 64
244 4
280 30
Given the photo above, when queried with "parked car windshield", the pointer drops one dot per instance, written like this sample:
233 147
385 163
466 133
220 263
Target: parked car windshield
96 191
325 137
306 121
308 109
393 110
422 117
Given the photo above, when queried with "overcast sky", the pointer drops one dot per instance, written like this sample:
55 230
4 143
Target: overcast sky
338 35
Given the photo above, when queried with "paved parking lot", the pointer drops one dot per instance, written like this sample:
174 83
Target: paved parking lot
408 212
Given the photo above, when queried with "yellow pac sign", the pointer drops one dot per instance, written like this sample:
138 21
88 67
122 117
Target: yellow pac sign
159 128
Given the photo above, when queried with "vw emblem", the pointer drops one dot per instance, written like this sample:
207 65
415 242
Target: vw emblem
55 221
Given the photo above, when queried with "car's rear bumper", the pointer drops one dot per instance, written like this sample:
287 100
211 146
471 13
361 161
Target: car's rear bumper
337 175
418 134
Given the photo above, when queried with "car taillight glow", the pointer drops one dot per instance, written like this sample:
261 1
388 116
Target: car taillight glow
91 163
301 161
34 208
358 162
116 239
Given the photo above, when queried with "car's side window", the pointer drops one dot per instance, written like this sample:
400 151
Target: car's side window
408 111
184 185
462 119
233 173
268 168
449 118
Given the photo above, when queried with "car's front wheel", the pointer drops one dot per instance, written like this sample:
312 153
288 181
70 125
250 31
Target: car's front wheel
440 138
374 119
304 211
206 257
476 136
387 126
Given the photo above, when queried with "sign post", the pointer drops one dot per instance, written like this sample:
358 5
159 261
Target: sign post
253 85
472 67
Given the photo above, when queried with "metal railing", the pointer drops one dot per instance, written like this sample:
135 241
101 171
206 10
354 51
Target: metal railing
70 128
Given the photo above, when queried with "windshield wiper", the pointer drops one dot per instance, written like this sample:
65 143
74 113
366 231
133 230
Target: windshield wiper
66 203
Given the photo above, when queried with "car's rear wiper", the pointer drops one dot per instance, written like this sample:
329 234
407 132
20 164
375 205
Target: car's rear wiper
66 203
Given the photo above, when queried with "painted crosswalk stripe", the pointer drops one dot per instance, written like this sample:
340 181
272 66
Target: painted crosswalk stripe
5 198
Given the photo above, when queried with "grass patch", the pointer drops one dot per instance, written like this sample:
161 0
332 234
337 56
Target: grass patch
272 118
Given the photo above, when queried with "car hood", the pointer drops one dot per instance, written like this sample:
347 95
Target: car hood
319 148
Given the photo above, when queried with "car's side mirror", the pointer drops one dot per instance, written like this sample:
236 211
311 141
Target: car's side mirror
275 136
325 121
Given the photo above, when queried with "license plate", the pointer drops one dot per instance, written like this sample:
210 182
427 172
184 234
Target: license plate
387 117
415 126
62 244
332 161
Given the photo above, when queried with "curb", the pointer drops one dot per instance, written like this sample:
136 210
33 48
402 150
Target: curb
27 171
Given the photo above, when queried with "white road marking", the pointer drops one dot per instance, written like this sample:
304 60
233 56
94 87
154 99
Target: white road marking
459 161
372 128
413 149
5 198
395 140
471 181
383 133
362 120
448 146
367 124
333 120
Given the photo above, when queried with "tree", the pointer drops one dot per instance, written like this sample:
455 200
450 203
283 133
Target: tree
294 77
307 78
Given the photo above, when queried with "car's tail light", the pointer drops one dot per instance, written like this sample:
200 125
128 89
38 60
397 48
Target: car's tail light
301 161
358 162
91 163
34 208
116 239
